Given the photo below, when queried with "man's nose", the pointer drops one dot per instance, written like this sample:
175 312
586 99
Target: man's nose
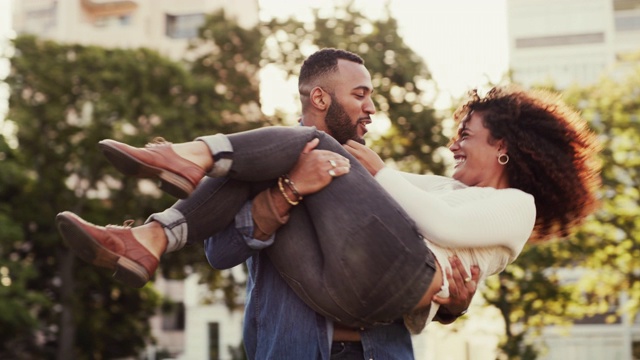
369 107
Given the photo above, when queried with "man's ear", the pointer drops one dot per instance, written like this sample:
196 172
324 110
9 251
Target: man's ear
320 99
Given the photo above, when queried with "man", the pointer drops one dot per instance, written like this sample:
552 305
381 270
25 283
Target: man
335 92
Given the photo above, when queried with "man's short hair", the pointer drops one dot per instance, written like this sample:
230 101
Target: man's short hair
324 62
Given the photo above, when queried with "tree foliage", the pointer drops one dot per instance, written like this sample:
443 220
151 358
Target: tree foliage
64 99
613 236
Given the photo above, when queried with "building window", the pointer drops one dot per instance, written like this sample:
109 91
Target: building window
112 21
40 21
214 341
627 23
560 40
102 21
124 20
183 26
173 316
635 350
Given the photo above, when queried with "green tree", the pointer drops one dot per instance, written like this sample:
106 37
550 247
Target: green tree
65 98
17 299
613 237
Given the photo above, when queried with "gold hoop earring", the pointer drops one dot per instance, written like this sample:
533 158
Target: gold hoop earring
503 159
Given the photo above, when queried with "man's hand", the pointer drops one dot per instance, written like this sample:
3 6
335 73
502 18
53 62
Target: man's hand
367 157
462 287
316 168
310 174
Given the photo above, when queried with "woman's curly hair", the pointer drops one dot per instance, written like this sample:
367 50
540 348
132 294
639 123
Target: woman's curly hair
552 153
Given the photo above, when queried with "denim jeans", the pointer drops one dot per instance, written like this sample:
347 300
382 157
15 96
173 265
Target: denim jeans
349 251
277 323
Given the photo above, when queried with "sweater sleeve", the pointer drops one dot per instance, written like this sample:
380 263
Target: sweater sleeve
467 217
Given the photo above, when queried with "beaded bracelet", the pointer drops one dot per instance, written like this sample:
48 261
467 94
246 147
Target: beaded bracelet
284 193
287 180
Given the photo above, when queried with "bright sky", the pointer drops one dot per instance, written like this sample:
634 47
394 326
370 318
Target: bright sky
463 42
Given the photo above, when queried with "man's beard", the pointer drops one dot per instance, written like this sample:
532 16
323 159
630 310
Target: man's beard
339 124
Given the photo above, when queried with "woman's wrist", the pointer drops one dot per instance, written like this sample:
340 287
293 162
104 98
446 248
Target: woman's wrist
269 212
444 316
288 190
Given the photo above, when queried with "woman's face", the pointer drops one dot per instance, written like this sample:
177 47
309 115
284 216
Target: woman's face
476 157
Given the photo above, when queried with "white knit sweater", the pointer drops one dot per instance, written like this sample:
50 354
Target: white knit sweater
484 226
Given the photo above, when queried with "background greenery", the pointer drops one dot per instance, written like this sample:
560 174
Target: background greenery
65 98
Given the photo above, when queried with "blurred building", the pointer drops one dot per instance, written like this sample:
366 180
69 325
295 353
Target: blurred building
570 41
163 25
189 326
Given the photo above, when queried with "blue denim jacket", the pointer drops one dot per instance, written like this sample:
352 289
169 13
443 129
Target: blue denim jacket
277 324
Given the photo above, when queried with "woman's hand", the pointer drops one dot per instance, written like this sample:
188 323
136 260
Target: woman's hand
462 288
367 157
316 168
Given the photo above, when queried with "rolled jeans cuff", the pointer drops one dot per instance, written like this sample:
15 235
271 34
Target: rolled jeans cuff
175 227
221 151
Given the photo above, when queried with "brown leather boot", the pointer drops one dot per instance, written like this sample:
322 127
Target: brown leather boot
111 247
178 176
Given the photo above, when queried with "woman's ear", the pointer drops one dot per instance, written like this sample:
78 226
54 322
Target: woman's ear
502 146
320 99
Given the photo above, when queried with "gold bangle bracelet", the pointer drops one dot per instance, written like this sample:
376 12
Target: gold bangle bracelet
284 193
287 180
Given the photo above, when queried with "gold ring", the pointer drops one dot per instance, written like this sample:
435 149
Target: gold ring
332 173
333 163
466 280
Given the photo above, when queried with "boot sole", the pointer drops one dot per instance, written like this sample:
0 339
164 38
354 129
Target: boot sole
90 250
171 183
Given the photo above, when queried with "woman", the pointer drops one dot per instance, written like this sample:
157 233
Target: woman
525 169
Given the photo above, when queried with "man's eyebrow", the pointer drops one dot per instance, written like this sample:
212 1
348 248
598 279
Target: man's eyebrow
364 87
